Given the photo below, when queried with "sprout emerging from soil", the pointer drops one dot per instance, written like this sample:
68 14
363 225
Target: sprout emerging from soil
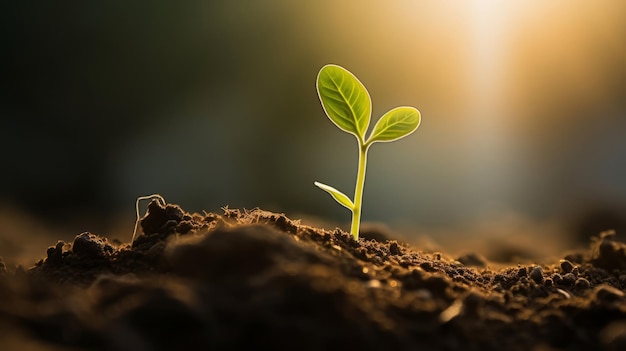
348 105
156 197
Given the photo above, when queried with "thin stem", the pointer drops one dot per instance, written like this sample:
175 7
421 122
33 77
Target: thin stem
149 197
358 191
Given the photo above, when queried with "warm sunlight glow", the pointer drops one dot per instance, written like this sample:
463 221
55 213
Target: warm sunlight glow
507 87
489 28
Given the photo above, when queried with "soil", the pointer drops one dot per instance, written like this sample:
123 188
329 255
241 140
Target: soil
248 279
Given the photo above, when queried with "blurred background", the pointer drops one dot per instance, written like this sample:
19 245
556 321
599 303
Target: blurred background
213 104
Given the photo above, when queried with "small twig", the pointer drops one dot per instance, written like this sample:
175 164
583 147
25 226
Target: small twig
148 197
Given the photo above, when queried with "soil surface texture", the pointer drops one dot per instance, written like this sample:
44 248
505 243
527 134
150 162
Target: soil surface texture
257 279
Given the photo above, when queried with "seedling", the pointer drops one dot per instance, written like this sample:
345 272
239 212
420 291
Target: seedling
348 105
157 197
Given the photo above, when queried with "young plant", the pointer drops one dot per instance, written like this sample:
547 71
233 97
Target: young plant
157 197
348 105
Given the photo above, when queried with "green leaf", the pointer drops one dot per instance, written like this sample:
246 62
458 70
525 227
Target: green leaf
345 100
337 195
395 124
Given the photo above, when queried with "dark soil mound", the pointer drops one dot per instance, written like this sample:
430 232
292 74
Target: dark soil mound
240 280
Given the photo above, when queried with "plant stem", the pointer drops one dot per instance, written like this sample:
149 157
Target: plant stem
358 191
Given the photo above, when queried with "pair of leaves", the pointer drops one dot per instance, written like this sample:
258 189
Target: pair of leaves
348 105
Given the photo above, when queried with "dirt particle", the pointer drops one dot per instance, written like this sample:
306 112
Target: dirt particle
360 253
566 266
564 293
55 253
374 283
405 263
91 245
427 266
569 279
394 249
451 312
185 227
536 274
174 212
